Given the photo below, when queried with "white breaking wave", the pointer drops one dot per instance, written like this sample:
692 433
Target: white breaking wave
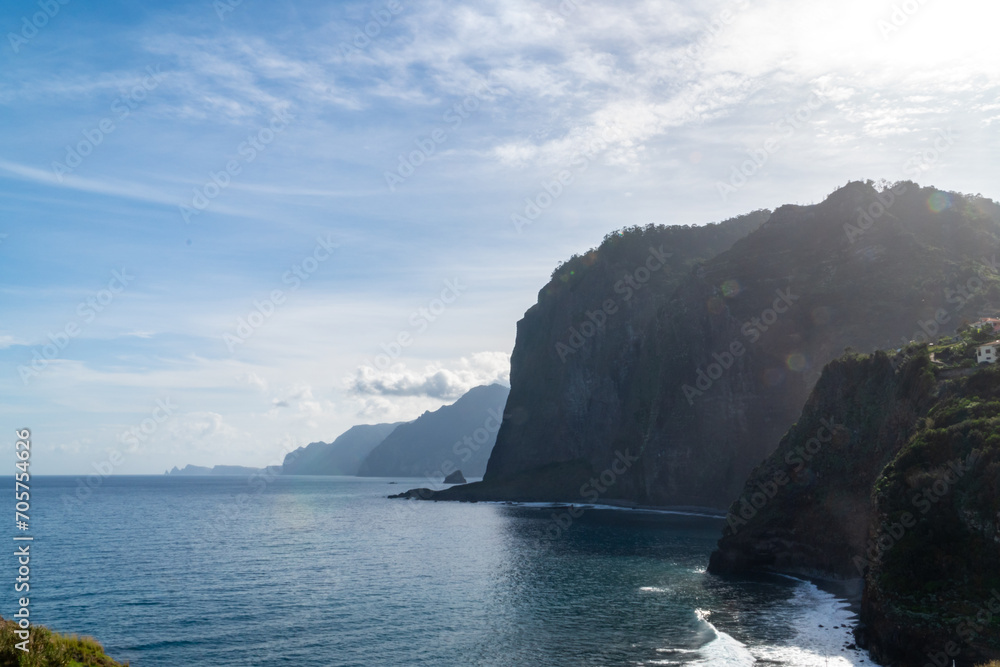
722 650
822 624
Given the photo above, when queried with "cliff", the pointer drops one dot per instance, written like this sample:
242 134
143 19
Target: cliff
691 351
892 475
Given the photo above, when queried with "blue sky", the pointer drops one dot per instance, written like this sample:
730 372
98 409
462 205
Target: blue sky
213 153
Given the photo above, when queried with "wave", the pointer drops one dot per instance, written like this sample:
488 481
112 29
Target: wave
722 650
821 632
822 626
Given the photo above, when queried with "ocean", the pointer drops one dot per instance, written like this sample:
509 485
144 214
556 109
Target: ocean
321 571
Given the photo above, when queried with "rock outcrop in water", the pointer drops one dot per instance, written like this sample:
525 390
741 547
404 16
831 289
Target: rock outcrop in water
891 474
688 352
455 478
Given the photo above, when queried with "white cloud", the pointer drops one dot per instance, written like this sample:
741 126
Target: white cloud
434 381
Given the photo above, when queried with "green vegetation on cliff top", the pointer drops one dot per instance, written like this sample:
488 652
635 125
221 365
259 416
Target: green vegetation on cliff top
50 649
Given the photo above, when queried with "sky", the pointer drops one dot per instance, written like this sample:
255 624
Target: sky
231 228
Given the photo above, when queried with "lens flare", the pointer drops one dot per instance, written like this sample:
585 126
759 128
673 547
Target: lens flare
796 362
731 288
938 202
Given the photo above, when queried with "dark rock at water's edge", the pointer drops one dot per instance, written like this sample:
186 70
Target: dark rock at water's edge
558 482
891 474
692 350
437 443
455 478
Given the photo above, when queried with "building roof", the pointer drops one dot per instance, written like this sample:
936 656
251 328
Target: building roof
994 343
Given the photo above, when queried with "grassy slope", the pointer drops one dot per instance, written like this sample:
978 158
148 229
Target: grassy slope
50 649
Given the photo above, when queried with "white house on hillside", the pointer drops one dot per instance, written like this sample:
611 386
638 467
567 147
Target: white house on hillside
987 352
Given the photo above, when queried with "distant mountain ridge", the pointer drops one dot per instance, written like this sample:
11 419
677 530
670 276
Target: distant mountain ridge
193 470
459 436
455 437
343 456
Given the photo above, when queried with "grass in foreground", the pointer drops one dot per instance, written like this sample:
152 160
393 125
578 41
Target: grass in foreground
50 649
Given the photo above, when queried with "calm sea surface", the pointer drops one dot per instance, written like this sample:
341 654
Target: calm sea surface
311 571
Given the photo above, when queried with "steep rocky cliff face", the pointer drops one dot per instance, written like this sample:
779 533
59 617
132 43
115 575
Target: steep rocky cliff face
933 554
694 366
892 475
805 510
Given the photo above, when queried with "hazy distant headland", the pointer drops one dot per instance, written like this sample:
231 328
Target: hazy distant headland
455 437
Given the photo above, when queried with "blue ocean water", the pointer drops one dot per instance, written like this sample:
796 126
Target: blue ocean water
312 571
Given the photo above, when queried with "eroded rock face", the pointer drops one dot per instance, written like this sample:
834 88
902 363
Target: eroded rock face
806 509
695 370
933 556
